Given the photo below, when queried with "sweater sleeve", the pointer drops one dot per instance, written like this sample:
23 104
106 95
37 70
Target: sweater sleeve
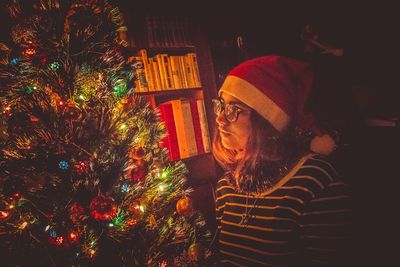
325 228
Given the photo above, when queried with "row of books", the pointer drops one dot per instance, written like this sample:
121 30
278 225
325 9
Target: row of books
168 31
187 128
165 72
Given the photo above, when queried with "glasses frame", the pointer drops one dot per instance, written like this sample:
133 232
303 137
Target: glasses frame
231 111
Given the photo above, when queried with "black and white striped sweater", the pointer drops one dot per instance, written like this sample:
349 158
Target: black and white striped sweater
303 220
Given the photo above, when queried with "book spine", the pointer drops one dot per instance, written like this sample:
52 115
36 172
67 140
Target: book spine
195 66
171 140
168 72
180 128
175 72
188 128
204 125
156 74
162 71
147 71
197 127
182 66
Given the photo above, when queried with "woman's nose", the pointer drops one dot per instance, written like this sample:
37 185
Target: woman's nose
221 119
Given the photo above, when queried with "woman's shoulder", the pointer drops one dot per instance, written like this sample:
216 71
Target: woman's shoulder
225 180
317 167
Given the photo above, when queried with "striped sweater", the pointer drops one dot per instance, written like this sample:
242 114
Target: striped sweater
303 220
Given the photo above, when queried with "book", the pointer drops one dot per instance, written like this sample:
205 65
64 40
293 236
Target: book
180 127
195 69
182 67
188 127
167 69
147 69
176 72
204 125
159 58
170 141
155 73
139 73
197 127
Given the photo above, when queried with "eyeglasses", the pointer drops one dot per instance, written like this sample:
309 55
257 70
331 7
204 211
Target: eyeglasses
231 111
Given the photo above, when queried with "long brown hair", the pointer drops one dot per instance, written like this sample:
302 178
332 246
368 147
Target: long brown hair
268 152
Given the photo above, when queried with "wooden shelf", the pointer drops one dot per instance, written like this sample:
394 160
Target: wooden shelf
167 95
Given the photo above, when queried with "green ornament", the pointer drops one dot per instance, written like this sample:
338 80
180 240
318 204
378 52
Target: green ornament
120 87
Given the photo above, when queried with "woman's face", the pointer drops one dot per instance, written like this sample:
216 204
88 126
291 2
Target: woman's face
234 135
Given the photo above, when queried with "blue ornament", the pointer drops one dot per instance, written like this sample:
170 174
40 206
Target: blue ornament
63 165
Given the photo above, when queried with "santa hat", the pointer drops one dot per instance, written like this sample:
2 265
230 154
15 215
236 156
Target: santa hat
278 89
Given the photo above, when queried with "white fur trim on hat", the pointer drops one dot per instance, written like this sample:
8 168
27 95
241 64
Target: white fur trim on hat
323 144
257 100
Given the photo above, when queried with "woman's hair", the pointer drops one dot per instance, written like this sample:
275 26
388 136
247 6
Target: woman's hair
266 153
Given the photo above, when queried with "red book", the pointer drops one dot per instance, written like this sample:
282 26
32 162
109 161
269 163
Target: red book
171 140
197 127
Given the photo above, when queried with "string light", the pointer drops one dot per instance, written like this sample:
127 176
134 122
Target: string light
92 252
29 52
54 66
4 214
63 165
59 240
53 233
124 187
164 174
23 225
141 208
73 236
15 61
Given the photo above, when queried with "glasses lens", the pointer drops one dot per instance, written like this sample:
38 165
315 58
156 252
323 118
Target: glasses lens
217 105
231 112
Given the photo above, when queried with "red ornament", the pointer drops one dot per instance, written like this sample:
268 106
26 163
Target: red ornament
138 174
103 208
184 207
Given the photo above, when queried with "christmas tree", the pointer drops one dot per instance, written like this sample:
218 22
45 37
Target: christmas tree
83 178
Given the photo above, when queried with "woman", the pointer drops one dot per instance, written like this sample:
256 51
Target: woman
278 203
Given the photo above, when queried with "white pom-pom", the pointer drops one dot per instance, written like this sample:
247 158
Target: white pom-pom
323 145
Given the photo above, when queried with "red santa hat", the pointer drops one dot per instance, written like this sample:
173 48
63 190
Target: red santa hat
278 89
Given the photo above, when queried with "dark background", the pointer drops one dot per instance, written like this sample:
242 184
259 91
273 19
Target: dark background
362 84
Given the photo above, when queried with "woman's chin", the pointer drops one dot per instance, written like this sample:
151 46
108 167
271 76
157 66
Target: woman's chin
227 144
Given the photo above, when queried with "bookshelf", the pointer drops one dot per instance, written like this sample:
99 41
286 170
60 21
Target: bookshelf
157 39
